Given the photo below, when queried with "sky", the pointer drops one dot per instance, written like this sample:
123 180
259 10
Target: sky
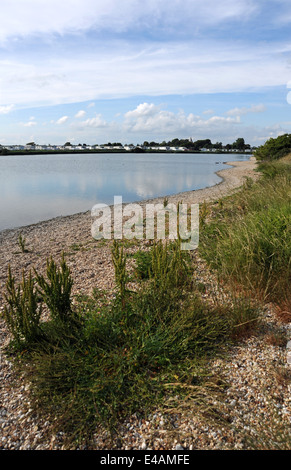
129 71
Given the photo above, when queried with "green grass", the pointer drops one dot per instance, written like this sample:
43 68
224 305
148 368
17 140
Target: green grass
248 239
121 363
96 361
137 352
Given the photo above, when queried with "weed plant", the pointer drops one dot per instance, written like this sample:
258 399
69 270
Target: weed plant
248 240
56 288
130 354
22 243
96 361
23 311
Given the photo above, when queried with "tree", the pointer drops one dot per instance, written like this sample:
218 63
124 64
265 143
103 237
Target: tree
199 144
274 148
218 145
239 144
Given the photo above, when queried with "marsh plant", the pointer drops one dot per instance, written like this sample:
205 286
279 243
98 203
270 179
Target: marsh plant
22 243
56 288
131 353
248 240
25 302
121 276
23 310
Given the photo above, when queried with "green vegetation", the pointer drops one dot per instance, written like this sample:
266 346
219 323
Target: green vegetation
98 361
93 361
56 290
196 146
248 240
22 312
143 267
177 145
22 243
274 149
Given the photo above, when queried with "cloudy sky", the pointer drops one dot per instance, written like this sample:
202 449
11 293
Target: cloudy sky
97 71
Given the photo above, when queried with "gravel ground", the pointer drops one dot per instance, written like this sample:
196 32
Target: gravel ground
255 408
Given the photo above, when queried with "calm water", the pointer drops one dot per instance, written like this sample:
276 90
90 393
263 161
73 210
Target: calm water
39 187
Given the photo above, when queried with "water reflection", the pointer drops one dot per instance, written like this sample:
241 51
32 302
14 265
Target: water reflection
40 187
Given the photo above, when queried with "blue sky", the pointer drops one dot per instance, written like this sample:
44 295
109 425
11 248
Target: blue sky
96 71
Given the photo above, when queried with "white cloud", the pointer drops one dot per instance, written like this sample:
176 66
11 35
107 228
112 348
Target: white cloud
151 119
96 121
259 108
30 124
30 17
6 109
85 70
143 110
80 114
121 69
62 120
260 136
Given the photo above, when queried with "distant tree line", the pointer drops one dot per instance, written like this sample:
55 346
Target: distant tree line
239 144
189 144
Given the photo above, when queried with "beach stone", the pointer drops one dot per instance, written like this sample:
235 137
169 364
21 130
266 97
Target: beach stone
179 447
248 369
143 445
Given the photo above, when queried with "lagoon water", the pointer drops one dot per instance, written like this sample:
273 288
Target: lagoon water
34 188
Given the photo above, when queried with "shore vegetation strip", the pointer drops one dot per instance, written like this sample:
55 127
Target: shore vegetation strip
95 360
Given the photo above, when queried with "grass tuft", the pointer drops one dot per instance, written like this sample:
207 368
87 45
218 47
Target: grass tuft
248 239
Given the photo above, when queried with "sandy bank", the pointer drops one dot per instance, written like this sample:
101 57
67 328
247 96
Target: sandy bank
232 178
89 260
247 371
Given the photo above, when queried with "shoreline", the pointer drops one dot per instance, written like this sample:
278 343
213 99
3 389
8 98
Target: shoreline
90 259
231 178
247 369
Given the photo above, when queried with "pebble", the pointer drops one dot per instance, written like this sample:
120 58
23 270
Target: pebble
179 447
256 397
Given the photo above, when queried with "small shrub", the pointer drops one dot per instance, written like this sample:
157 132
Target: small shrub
21 243
143 267
169 266
121 276
274 149
244 317
23 311
56 290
